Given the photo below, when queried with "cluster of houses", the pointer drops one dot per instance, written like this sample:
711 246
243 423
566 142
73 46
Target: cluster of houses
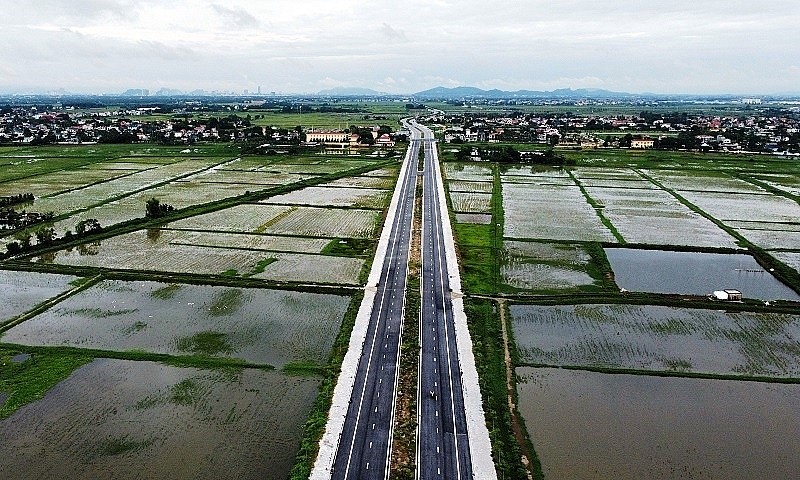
343 139
28 125
776 133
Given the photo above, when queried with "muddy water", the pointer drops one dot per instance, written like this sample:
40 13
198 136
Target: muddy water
696 273
260 326
21 291
123 419
592 426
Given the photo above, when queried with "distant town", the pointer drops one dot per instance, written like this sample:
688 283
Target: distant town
561 121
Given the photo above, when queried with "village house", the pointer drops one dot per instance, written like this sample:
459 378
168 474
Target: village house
642 142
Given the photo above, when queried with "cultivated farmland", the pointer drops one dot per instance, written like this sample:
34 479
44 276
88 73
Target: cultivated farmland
259 326
135 419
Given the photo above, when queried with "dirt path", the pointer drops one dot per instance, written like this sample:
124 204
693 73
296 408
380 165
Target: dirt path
510 389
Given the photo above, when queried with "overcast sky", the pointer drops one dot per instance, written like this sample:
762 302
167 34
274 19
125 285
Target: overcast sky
303 46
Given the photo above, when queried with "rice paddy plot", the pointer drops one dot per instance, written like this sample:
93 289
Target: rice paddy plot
363 181
102 192
535 171
471 202
322 168
182 194
297 267
477 218
656 217
247 241
791 259
246 218
641 183
117 418
21 291
147 250
694 273
272 327
570 254
768 239
543 181
607 174
51 183
658 338
467 172
246 177
550 212
326 222
383 172
470 187
541 266
541 276
588 425
129 166
703 181
785 182
334 197
762 208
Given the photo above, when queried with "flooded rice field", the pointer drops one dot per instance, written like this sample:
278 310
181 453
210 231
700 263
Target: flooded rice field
530 210
260 326
123 419
21 291
478 218
656 217
544 266
649 337
696 273
595 426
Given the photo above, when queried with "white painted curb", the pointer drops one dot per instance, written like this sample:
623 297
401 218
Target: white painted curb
480 446
340 402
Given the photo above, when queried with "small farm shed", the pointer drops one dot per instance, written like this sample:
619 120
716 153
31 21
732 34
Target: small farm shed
728 294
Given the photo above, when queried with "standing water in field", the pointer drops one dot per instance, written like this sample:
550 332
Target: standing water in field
592 425
695 273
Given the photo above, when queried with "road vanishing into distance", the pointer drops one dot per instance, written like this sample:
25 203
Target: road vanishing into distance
365 444
358 440
442 442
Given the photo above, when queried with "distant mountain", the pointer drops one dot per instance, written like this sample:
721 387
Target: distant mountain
472 92
349 92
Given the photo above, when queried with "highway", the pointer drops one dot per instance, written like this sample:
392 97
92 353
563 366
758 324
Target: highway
443 450
365 445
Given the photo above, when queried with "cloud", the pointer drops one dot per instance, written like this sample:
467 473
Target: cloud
237 17
392 34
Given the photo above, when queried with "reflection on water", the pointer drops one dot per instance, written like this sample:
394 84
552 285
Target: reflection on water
590 425
695 273
123 419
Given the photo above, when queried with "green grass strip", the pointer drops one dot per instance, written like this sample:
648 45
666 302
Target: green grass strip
597 208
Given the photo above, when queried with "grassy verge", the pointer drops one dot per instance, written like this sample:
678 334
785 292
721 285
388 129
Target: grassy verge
318 417
29 380
486 331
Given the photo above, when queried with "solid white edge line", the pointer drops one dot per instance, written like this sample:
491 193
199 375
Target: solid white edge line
480 445
329 443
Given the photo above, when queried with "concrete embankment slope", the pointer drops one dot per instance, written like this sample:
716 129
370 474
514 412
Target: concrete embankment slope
479 444
344 386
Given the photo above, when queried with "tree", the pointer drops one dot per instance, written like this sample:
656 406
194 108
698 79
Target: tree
45 235
90 225
24 239
155 209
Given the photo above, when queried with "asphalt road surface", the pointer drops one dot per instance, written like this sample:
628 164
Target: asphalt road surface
366 442
442 444
364 448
